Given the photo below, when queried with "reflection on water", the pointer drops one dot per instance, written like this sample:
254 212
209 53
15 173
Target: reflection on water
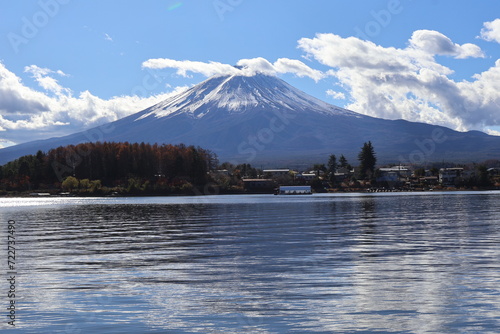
259 264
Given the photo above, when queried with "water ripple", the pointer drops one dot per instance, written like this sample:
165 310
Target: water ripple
260 264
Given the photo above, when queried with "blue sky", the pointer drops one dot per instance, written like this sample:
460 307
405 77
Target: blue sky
67 65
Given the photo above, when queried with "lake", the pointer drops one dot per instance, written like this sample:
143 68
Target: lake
322 263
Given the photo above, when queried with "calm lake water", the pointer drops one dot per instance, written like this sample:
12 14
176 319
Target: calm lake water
353 263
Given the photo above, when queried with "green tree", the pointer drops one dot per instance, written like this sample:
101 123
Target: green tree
95 186
24 167
227 165
483 178
247 171
133 185
38 173
85 184
367 161
332 168
70 183
343 162
198 167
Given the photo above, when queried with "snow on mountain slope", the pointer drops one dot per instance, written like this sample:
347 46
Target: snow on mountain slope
238 94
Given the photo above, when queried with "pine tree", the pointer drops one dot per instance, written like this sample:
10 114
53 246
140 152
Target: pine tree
367 161
332 168
343 162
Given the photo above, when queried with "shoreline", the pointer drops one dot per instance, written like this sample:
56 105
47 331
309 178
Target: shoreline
40 194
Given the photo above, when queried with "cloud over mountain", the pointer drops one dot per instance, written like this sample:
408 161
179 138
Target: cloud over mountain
409 83
247 67
27 113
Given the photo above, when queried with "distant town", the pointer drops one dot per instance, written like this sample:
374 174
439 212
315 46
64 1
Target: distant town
124 169
387 179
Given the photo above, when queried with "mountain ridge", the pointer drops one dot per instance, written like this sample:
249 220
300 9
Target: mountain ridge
262 119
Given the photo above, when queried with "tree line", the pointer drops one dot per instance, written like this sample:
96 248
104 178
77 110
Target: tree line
125 168
113 164
366 169
103 167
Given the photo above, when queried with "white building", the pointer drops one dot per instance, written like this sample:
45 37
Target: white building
294 190
276 172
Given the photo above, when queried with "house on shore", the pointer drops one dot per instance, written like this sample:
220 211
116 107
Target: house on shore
306 176
258 185
395 175
450 176
276 172
493 171
428 180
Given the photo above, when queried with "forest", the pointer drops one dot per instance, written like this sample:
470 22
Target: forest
99 168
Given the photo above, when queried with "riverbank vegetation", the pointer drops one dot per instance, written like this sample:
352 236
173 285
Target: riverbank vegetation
99 169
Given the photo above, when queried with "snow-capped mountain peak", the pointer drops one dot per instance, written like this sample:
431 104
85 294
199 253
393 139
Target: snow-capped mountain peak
237 94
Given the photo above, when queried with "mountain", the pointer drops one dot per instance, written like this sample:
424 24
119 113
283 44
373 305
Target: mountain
261 119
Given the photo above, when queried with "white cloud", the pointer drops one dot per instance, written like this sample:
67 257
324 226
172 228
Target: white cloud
335 95
6 143
409 83
491 31
184 66
247 67
492 132
285 65
255 65
108 38
28 114
41 75
435 43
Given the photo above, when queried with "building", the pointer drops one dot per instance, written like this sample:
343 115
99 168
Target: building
341 174
450 176
493 171
294 190
276 172
306 176
258 185
428 180
223 172
393 174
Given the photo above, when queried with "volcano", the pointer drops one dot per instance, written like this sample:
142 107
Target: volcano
263 120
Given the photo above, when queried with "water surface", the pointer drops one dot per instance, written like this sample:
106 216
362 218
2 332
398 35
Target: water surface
352 263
